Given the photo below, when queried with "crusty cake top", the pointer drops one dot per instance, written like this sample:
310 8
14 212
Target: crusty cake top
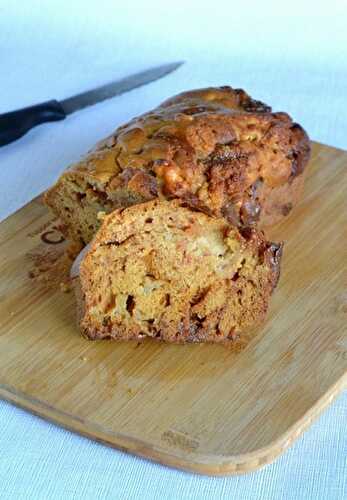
208 146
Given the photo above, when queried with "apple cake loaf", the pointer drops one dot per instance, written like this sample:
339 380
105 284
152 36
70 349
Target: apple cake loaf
217 149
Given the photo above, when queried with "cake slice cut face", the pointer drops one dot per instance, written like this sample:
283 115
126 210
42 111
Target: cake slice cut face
162 270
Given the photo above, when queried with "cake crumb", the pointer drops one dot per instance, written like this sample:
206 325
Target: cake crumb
65 287
50 267
101 215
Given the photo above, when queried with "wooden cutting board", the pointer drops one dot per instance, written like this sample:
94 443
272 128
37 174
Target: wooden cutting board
202 408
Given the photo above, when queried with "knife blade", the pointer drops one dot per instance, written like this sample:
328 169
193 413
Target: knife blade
15 124
99 94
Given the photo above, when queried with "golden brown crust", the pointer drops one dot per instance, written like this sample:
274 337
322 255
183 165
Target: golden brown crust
216 148
162 270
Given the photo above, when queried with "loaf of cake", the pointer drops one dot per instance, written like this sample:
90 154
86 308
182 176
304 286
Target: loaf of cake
217 149
164 270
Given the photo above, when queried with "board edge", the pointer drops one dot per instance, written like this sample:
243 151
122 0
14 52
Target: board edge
205 464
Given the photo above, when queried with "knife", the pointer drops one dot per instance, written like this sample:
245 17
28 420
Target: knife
15 124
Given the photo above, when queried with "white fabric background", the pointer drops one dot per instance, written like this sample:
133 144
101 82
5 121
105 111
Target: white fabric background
292 55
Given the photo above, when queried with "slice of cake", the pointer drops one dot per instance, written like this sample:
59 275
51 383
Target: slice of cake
217 149
160 269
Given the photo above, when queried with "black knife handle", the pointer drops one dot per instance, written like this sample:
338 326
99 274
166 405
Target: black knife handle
15 124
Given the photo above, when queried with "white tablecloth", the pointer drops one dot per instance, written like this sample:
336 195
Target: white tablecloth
293 56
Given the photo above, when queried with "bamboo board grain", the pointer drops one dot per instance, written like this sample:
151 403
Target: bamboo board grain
202 408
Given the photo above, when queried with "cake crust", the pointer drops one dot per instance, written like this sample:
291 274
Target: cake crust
217 149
